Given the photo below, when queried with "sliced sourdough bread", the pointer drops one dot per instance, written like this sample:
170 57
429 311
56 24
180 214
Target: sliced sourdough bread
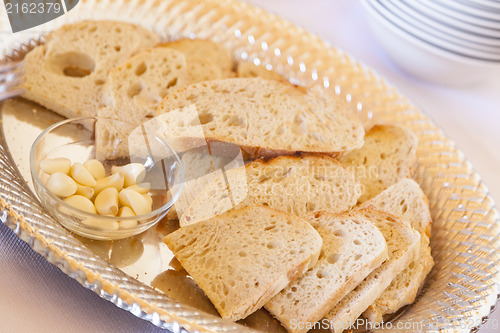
67 73
388 155
406 200
403 244
263 117
404 288
248 69
352 248
132 93
208 54
243 258
294 184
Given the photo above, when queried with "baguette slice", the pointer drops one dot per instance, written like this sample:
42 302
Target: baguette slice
294 184
132 94
403 244
389 155
67 73
264 117
404 199
352 248
243 258
405 287
248 69
209 54
407 200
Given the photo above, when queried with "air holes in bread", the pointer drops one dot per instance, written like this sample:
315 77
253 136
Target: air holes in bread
72 64
172 83
205 118
322 274
310 206
339 233
271 227
134 89
273 244
405 208
333 258
234 120
140 69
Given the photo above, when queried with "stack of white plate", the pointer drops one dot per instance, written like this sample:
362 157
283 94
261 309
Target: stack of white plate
444 41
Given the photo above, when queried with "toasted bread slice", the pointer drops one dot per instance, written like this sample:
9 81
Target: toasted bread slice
295 184
403 244
405 287
264 117
248 69
243 258
207 53
406 200
132 94
388 155
67 73
352 248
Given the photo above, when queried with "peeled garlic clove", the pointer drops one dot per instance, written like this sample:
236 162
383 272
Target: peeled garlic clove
95 168
127 212
105 225
106 201
142 188
86 191
115 181
53 165
81 175
133 173
134 200
149 199
80 202
128 224
61 184
44 177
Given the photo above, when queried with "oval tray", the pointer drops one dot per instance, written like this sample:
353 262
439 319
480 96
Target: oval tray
463 286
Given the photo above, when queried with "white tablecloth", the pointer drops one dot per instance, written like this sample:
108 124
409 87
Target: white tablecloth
35 296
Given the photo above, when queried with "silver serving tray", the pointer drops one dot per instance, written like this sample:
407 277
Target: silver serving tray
459 293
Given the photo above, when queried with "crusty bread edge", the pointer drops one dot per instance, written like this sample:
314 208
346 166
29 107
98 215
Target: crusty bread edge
394 269
265 160
274 288
349 285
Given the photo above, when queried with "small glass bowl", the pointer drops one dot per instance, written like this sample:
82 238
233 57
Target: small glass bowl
75 139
